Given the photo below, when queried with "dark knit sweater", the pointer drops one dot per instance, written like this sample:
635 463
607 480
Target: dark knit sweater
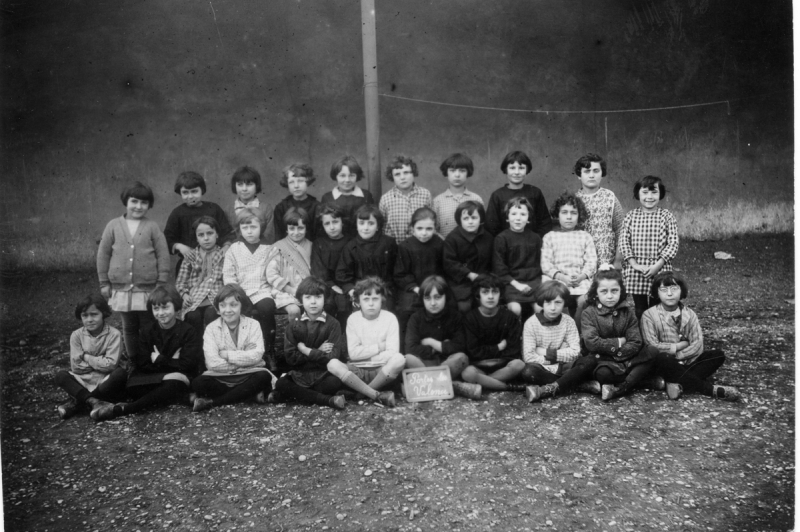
349 205
313 334
361 258
466 253
416 261
325 256
310 205
496 221
517 256
484 333
446 327
180 336
179 224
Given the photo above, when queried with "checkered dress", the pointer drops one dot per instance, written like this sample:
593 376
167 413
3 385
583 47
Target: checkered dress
445 205
397 208
647 237
571 253
197 283
604 223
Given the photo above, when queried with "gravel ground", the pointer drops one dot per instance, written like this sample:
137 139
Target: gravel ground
573 463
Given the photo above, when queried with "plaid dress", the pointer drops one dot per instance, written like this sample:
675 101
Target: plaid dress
445 206
645 238
604 223
200 277
397 209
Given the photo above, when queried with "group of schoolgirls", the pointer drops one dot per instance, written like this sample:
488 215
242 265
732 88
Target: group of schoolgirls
461 279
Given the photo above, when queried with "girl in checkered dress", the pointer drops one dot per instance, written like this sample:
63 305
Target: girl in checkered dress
649 241
568 255
200 275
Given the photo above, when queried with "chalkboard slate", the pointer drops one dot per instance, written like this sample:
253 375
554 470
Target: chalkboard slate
427 384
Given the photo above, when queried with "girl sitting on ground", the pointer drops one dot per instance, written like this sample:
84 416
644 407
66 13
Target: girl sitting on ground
167 359
95 376
373 345
610 333
435 335
673 329
312 341
551 347
493 339
233 347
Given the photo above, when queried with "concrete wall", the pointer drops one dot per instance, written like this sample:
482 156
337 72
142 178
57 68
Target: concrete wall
96 95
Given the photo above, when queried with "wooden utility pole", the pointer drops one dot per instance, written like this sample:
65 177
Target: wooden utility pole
370 53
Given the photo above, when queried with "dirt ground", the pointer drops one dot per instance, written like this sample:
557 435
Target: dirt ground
573 463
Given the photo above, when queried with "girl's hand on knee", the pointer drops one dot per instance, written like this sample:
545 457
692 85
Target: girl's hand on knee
502 345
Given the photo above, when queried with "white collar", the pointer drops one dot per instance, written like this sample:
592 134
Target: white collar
357 192
322 317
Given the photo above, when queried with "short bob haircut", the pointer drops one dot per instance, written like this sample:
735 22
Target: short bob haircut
311 286
350 162
250 213
208 220
488 281
235 291
424 213
519 157
549 290
437 282
470 207
295 215
650 182
606 275
99 303
139 191
190 180
518 202
331 209
369 209
163 295
370 284
245 174
399 162
298 170
457 161
668 279
568 198
586 162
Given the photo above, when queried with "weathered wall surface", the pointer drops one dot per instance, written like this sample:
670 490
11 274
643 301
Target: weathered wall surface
97 94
